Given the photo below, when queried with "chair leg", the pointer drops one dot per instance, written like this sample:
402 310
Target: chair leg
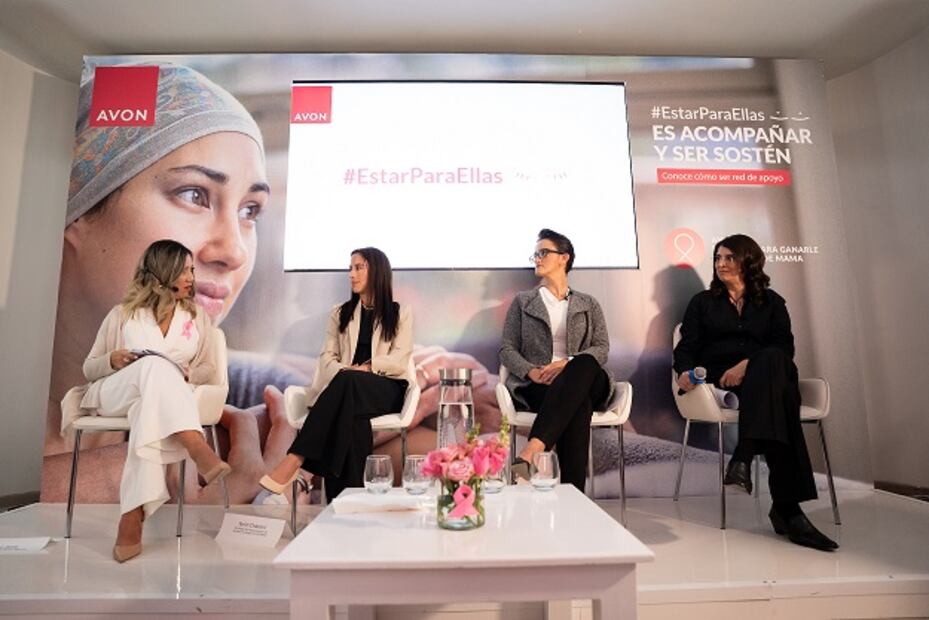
322 492
590 464
512 459
223 481
180 498
402 447
722 475
757 473
296 486
72 487
293 507
680 467
835 504
622 475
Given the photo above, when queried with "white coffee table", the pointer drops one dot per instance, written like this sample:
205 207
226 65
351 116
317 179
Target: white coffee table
535 546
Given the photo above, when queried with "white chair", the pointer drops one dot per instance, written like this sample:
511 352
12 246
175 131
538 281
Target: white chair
296 409
616 414
700 405
210 400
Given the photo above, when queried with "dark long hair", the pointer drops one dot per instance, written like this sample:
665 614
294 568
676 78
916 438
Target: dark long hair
380 281
751 260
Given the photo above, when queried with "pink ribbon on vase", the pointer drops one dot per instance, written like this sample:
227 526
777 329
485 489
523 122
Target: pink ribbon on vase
464 502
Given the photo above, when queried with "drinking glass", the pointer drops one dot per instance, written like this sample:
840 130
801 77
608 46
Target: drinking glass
414 481
379 473
495 483
544 472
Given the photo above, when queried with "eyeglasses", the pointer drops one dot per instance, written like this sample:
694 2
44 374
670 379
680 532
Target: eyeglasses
541 254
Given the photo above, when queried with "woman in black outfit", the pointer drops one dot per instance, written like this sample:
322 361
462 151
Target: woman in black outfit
362 373
739 330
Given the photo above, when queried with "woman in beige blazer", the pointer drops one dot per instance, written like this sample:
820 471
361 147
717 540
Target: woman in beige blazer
148 352
362 374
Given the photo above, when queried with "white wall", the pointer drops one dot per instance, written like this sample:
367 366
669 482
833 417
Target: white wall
880 121
833 327
37 124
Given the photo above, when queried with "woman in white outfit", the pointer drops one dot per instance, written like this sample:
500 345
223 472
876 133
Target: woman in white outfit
154 391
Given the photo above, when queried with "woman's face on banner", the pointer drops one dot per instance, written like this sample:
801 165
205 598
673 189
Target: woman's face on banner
206 194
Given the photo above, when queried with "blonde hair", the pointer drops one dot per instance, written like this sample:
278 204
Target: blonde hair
151 286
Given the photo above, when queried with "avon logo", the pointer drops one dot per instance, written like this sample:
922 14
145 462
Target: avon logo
311 104
124 97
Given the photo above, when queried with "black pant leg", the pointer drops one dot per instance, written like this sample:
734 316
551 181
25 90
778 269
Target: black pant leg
337 436
573 446
769 415
564 410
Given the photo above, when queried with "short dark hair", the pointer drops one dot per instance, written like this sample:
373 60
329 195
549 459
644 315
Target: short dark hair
562 243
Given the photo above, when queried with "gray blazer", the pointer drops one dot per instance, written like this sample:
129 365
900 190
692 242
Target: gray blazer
527 337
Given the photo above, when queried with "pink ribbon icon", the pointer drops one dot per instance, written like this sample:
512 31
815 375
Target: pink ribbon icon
464 502
188 330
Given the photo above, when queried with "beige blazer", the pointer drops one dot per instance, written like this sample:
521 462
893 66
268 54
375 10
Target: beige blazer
97 367
388 359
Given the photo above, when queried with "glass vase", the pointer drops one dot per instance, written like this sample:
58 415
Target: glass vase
445 507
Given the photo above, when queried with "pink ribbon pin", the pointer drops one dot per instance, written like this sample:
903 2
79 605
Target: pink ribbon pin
464 502
188 330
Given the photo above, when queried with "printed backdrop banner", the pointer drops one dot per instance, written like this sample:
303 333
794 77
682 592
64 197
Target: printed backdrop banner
715 150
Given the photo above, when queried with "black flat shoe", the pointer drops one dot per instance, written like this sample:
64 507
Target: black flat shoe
520 469
739 474
801 532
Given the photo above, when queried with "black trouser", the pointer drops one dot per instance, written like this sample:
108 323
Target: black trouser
564 410
336 438
769 424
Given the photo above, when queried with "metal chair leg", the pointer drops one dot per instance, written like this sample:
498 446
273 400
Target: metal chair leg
73 485
622 475
223 481
835 503
722 487
757 474
293 507
590 464
680 467
180 498
296 485
402 447
512 459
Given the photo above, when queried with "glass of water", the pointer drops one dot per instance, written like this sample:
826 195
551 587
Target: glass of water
495 483
544 472
414 481
379 473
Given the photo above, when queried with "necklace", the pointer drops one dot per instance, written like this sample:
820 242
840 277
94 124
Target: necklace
738 302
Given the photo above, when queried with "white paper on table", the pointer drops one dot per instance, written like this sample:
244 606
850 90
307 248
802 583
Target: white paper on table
369 502
725 398
23 545
250 530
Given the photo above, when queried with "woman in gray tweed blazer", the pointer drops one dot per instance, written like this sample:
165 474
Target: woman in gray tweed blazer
555 346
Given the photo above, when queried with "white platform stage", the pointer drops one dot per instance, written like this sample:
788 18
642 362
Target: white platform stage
746 571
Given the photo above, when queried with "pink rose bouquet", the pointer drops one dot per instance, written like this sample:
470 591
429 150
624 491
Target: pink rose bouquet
461 470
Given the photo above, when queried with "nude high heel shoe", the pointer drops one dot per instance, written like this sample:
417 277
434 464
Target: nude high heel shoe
271 485
122 553
217 472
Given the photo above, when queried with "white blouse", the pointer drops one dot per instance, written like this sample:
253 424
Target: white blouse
558 319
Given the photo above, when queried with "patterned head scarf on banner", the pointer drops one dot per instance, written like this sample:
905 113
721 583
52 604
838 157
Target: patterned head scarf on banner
188 107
